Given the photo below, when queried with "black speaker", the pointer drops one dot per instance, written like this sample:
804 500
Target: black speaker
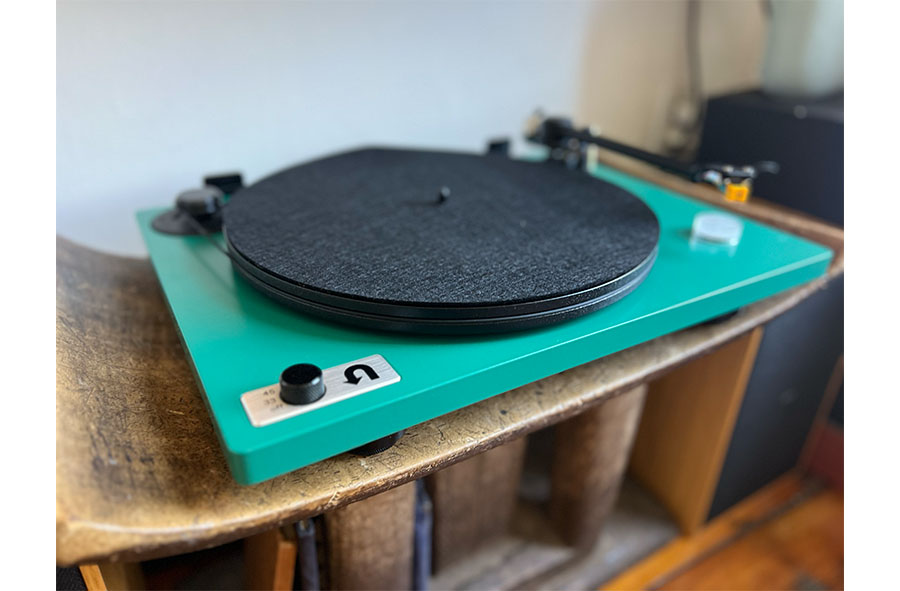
795 360
806 138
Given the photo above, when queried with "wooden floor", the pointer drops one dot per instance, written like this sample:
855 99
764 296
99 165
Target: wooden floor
790 535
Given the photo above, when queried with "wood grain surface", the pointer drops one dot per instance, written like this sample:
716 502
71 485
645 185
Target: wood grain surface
270 558
686 550
370 542
473 501
686 428
139 471
589 459
800 549
93 578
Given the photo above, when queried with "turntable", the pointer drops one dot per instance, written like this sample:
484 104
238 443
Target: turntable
335 303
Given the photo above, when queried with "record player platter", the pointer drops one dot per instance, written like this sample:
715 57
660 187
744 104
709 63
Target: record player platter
440 242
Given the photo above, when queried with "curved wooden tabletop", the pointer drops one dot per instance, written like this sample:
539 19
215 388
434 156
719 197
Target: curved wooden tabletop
139 470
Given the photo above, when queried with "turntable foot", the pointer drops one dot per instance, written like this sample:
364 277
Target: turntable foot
377 446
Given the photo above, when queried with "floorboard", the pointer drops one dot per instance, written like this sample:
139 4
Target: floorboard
789 536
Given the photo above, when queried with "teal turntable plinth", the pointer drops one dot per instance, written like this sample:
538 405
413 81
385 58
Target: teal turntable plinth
239 341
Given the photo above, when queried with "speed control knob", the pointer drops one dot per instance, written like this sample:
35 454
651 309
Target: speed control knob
200 203
302 384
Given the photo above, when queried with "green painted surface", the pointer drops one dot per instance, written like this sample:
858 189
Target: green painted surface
240 340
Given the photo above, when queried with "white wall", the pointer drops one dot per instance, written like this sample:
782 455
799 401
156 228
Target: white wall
152 95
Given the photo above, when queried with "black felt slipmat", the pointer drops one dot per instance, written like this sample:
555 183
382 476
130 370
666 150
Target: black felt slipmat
440 242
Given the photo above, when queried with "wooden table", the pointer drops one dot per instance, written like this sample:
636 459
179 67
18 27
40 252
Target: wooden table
140 473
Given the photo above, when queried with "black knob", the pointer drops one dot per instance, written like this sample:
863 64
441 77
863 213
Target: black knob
302 384
200 203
